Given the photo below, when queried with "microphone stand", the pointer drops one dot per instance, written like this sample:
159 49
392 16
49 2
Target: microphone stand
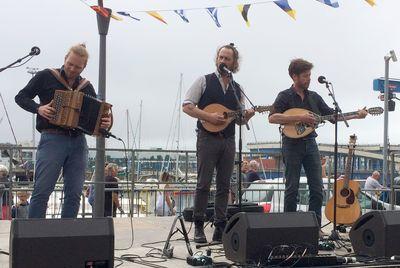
15 62
338 112
240 121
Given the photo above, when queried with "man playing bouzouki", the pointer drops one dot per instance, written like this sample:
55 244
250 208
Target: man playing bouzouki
215 150
302 151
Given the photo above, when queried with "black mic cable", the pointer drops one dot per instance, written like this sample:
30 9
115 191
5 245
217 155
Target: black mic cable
108 134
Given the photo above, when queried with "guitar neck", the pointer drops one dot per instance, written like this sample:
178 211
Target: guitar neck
332 116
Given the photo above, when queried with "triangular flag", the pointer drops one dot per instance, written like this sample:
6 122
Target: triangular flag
371 2
181 13
284 5
213 11
123 13
157 16
332 3
115 17
244 9
101 10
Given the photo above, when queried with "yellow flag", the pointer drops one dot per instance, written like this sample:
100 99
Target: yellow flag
244 10
371 2
115 17
156 15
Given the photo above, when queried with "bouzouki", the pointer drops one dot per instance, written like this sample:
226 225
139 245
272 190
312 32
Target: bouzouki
228 114
299 129
347 205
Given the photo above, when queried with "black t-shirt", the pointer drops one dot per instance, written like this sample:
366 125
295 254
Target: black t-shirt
109 208
312 101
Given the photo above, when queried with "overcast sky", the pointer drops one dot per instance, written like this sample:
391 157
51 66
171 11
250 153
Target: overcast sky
145 59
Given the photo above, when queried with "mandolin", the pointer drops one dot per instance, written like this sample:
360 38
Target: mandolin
299 129
347 206
228 114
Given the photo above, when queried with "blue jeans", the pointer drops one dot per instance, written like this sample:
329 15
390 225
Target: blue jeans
56 152
304 153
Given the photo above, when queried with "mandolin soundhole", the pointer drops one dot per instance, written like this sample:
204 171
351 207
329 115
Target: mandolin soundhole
300 128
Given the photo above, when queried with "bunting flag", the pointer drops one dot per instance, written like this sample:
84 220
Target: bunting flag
115 17
157 16
213 11
332 3
244 9
371 2
101 10
181 14
126 14
284 5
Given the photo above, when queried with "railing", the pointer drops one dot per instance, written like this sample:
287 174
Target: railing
139 188
148 197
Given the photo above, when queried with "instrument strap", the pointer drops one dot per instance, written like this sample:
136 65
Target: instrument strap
83 83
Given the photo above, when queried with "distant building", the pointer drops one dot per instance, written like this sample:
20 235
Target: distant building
367 157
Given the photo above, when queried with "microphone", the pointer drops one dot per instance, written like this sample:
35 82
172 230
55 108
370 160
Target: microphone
322 80
223 69
108 134
34 51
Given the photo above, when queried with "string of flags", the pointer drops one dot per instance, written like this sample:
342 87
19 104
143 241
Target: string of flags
212 11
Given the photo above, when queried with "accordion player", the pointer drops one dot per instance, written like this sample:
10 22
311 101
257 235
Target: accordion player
74 109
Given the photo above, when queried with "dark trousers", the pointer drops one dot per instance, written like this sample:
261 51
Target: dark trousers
213 152
295 155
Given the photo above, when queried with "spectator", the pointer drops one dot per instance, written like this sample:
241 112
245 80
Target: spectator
252 174
165 205
5 195
20 210
111 200
3 179
372 182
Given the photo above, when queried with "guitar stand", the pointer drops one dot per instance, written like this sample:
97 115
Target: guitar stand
168 250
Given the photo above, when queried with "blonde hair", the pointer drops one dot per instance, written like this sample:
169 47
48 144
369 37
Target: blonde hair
4 169
80 50
254 164
110 168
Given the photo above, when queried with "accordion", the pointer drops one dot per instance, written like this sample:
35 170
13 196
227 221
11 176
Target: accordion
74 109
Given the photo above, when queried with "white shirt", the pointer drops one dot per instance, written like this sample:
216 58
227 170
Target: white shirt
372 184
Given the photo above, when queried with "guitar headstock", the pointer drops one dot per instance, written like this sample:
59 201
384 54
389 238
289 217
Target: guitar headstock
263 109
375 110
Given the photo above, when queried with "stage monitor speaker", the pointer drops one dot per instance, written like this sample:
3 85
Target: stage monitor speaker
253 237
376 234
62 243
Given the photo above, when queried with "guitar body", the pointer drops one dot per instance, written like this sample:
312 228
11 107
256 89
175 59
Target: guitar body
347 206
298 129
220 109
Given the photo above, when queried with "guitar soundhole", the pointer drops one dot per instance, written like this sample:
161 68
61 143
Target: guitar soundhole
344 192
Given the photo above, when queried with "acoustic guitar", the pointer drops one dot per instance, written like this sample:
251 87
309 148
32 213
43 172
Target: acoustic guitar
299 129
347 206
228 114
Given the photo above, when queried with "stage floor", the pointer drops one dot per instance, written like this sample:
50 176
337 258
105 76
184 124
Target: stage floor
150 230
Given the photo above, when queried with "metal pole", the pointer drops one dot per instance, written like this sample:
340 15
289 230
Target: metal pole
392 189
386 119
102 23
